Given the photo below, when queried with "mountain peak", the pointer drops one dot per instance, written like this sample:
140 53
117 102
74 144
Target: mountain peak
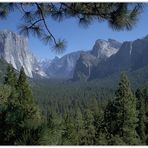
103 48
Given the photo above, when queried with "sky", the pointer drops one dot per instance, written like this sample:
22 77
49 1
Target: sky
77 38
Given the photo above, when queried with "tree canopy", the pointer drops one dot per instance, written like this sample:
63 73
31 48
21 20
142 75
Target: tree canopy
58 114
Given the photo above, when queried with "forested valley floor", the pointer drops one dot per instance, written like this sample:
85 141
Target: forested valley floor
42 112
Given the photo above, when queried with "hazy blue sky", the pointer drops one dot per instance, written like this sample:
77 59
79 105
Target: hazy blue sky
78 38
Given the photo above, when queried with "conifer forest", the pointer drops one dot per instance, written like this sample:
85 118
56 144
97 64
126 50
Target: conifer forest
71 114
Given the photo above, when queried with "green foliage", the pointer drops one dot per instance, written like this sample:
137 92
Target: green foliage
10 78
145 95
68 131
121 115
89 129
73 113
21 118
126 117
141 115
52 132
5 91
110 119
23 88
116 140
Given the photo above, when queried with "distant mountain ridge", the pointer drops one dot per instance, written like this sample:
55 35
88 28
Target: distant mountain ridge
104 59
64 67
131 56
14 49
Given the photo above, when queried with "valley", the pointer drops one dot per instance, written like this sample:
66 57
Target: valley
61 85
72 97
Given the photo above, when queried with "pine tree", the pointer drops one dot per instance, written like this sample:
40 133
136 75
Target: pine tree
100 134
121 116
145 94
68 131
25 93
93 106
5 92
10 78
21 118
12 104
78 124
88 137
126 115
141 115
30 117
52 133
109 122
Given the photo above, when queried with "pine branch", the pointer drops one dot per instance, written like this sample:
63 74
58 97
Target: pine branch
33 24
45 24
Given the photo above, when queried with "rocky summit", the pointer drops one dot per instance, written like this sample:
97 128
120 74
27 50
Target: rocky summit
101 51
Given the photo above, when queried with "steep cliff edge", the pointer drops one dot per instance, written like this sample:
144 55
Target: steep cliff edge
14 49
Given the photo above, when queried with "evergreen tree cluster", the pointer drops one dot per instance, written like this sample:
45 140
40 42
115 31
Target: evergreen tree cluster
95 119
20 117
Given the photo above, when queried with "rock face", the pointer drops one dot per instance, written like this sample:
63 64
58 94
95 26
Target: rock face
104 49
116 63
101 51
83 66
139 53
14 49
130 57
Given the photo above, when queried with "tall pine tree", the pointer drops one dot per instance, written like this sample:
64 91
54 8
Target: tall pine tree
110 124
123 114
11 115
31 118
126 114
10 78
5 92
145 94
21 118
88 137
141 115
25 93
